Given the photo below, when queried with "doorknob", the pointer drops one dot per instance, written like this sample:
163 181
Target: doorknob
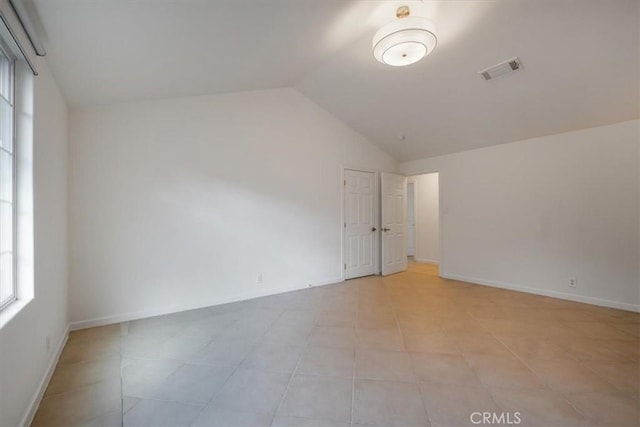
373 229
386 229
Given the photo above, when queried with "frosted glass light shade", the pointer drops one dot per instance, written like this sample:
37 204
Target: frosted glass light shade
404 41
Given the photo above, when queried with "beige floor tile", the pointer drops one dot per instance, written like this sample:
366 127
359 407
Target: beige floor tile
340 319
554 330
417 342
533 348
80 405
380 339
429 327
449 405
159 327
292 334
592 349
69 377
252 391
614 409
323 398
337 302
624 376
110 419
628 349
211 326
597 330
140 378
466 347
509 327
284 421
377 319
273 357
156 413
629 328
102 333
192 384
213 416
384 365
76 352
466 325
253 327
181 348
568 376
299 314
192 315
503 372
129 402
388 403
408 314
141 346
480 343
327 361
436 368
538 407
326 336
154 347
225 352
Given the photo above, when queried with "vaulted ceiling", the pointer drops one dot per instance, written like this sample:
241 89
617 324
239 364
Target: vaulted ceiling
581 62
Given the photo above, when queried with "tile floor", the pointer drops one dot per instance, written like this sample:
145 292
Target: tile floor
406 350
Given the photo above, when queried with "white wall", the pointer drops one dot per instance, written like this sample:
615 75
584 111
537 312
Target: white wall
182 202
427 218
24 358
531 214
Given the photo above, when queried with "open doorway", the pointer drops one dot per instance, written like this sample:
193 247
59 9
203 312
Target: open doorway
411 218
423 218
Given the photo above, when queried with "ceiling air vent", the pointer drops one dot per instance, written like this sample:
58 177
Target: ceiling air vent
499 70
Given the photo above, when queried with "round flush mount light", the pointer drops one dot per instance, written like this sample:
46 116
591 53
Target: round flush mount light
404 41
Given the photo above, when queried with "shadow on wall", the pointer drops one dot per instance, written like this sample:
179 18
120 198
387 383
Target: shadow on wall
204 234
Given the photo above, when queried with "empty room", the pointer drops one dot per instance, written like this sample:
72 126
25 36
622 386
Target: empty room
319 213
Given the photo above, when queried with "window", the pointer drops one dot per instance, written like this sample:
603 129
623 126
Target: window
7 181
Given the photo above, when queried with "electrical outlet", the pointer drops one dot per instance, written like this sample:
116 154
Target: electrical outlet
259 278
573 282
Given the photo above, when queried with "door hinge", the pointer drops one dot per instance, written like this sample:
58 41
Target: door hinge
345 225
345 266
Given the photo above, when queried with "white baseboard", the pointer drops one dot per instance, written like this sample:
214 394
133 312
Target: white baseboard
27 419
426 261
125 317
547 293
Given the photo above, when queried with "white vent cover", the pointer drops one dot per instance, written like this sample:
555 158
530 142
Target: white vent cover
499 70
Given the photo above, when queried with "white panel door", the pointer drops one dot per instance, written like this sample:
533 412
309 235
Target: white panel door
359 223
394 223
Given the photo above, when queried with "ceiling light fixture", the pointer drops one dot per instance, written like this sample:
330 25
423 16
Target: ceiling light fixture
404 41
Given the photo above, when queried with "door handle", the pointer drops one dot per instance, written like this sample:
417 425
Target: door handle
386 229
373 229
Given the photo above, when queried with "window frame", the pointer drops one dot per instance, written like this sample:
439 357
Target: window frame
14 224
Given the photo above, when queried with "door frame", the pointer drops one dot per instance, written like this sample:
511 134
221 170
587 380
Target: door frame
441 251
377 267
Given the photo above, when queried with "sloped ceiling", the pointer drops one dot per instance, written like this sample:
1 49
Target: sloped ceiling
581 62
